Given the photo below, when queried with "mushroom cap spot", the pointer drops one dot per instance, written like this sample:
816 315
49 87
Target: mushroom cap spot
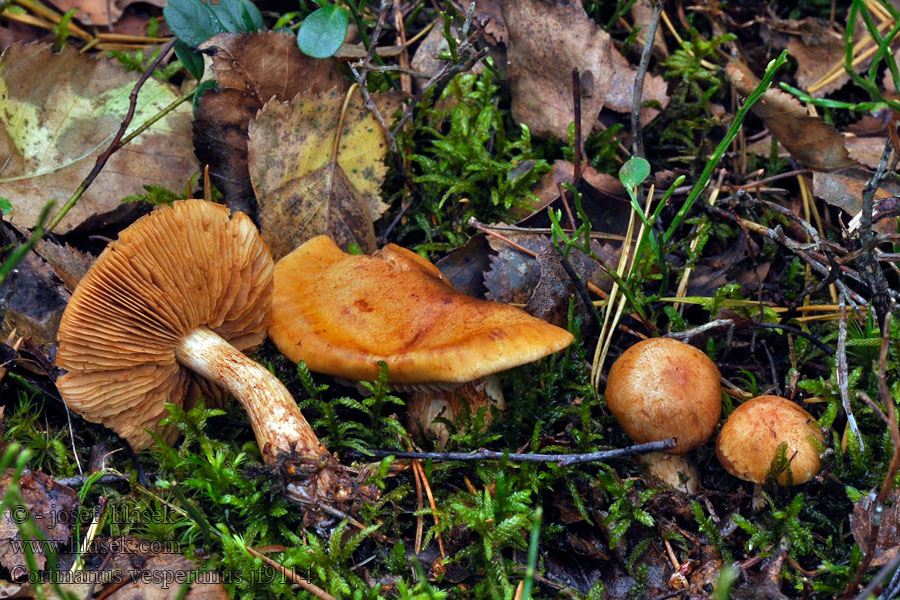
661 388
749 440
342 314
173 270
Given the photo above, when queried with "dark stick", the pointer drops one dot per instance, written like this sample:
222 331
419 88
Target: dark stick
563 460
637 132
868 266
80 480
581 288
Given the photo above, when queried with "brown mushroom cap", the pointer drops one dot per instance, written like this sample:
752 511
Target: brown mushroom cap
171 272
341 314
749 440
661 388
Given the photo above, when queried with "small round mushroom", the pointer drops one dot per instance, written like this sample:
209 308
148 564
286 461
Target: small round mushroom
181 294
749 440
661 388
342 314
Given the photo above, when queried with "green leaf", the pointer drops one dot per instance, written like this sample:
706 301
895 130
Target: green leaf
5 206
322 33
190 58
237 16
192 21
634 172
251 17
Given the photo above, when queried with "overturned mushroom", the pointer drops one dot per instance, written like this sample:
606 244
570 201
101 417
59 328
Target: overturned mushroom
182 293
342 314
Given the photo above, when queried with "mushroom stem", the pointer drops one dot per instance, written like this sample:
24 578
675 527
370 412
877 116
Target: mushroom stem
274 415
423 407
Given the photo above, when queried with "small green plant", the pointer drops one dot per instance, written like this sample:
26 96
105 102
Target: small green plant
376 429
500 515
468 163
687 121
626 506
47 447
195 21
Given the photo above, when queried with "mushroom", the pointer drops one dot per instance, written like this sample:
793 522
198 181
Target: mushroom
661 388
177 299
342 314
749 440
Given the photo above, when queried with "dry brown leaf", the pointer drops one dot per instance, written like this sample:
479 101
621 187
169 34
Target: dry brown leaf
68 263
809 140
844 188
101 12
301 191
865 150
131 571
251 69
621 89
547 190
54 126
888 543
541 283
642 14
817 48
50 504
546 42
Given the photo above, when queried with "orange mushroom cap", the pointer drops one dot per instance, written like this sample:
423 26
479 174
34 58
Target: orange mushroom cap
749 440
342 314
661 388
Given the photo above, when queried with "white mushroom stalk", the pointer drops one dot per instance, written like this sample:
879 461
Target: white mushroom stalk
277 422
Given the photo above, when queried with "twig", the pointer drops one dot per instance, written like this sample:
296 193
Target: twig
869 590
884 395
841 371
449 69
117 141
79 480
686 335
563 460
802 250
868 267
637 133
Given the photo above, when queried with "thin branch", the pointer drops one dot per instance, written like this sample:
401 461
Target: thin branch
637 133
563 460
117 141
868 267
